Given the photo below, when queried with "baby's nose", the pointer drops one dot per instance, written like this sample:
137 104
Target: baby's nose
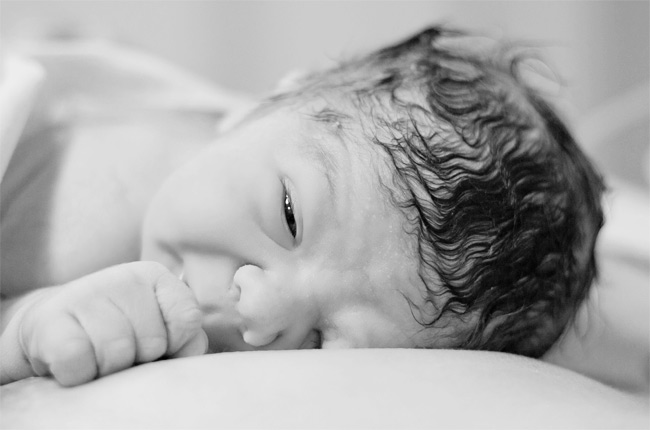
273 311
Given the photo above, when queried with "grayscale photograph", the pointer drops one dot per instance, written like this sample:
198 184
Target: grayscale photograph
324 214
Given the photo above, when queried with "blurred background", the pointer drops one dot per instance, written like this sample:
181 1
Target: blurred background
600 48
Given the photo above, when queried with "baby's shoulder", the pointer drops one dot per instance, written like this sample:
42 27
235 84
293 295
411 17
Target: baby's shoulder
74 196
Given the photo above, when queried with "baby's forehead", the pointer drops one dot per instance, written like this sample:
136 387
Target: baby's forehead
339 128
333 134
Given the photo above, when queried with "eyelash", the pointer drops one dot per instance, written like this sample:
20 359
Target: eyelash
287 209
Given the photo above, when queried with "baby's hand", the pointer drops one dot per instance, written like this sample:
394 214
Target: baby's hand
109 321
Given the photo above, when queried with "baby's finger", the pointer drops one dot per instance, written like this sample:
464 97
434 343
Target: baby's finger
62 348
131 288
198 345
111 334
76 363
180 310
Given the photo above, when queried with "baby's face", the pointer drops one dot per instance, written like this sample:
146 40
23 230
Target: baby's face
283 233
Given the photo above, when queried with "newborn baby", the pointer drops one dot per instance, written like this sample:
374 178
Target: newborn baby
421 196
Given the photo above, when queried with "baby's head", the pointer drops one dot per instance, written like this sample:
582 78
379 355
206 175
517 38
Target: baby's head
504 205
468 215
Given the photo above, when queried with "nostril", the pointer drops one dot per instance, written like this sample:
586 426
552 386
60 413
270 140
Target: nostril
246 276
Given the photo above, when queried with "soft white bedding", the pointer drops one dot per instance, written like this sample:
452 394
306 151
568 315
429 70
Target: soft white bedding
347 389
20 79
371 388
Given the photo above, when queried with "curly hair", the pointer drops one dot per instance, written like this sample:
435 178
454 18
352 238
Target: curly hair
504 204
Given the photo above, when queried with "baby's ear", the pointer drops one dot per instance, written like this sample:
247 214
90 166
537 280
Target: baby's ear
291 81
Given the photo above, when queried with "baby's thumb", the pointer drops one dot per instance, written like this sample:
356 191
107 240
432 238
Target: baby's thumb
182 316
198 345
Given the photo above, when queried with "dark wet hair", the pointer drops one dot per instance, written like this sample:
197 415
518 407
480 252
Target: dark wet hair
504 204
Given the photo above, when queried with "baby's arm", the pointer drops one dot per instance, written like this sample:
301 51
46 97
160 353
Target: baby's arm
99 324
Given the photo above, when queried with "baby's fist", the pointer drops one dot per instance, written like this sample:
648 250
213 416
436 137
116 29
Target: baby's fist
109 321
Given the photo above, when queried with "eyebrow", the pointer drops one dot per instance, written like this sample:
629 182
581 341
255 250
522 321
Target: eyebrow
319 152
332 118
